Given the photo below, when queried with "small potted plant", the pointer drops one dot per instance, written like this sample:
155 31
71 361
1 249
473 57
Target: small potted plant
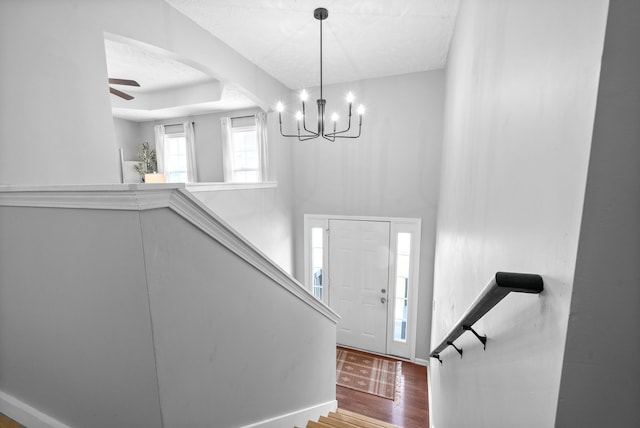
148 162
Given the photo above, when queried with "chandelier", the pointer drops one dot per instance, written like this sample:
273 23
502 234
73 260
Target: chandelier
301 116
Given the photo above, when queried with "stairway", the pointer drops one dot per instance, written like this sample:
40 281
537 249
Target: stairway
346 419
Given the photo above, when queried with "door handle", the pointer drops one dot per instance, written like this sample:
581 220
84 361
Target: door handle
383 300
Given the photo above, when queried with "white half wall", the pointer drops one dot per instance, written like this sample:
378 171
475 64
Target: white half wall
522 79
136 305
75 332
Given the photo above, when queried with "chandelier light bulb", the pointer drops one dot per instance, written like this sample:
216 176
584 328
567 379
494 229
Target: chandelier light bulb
360 109
350 97
280 107
304 95
335 117
299 115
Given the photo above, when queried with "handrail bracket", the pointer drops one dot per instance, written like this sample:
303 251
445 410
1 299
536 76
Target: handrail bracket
456 348
482 339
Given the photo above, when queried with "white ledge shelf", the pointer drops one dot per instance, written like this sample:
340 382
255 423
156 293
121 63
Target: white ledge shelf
216 187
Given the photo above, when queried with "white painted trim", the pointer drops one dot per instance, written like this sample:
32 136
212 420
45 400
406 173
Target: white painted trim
132 197
26 415
174 196
298 418
421 362
216 187
430 400
410 220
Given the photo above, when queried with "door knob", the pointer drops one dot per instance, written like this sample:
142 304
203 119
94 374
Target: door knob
383 300
384 290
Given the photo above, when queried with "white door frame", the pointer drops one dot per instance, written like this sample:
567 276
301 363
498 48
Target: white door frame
398 225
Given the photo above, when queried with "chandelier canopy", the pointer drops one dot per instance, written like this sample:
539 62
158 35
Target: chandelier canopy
301 116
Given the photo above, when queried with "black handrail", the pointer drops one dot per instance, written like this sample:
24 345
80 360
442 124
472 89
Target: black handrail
502 284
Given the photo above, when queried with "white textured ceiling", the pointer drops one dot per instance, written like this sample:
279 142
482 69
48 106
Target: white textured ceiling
152 70
361 38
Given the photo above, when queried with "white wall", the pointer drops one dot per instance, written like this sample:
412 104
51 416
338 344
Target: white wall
600 376
75 336
392 170
58 60
56 51
521 92
129 138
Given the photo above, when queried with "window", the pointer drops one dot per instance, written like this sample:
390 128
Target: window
244 144
403 258
246 155
315 256
175 147
317 249
175 161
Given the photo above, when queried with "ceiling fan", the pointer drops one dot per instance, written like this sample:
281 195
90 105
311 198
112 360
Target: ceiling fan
122 82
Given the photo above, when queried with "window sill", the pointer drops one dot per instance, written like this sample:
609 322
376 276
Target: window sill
215 187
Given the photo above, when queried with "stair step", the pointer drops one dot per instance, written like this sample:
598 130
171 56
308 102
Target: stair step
312 424
347 419
335 423
375 423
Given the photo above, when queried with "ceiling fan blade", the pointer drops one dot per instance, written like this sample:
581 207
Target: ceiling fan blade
120 94
123 82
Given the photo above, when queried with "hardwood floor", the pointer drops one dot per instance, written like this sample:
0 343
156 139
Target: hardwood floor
410 410
5 422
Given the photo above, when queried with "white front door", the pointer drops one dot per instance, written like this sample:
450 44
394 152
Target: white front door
359 278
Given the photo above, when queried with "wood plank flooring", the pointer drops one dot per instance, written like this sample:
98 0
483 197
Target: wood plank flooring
410 410
6 422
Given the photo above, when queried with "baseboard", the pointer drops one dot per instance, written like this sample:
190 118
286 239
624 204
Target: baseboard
26 415
297 418
30 417
421 362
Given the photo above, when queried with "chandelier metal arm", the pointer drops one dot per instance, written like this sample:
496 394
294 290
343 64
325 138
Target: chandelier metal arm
298 136
336 134
304 121
346 136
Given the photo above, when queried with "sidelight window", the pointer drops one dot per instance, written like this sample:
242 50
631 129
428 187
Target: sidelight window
401 303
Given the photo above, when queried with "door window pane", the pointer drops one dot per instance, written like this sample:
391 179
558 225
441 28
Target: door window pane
402 287
316 261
